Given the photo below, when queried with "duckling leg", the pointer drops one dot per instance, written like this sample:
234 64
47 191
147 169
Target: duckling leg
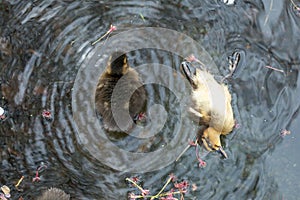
233 62
205 141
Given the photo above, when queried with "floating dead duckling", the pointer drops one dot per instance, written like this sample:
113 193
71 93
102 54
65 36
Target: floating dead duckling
117 68
211 106
54 193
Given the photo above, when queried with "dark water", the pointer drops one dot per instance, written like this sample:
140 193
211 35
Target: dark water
44 44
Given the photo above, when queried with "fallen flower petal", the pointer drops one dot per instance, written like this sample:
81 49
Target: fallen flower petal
173 177
285 132
47 114
2 197
132 196
145 192
36 179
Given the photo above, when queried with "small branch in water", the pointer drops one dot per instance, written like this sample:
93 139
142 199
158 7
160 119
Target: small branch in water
279 70
19 182
267 17
111 29
180 188
142 16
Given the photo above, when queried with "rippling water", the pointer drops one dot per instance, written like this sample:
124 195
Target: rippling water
43 44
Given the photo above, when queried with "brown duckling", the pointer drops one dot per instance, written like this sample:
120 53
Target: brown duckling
117 68
211 103
53 194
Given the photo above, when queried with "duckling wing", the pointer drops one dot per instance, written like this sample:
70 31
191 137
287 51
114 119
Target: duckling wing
212 102
133 105
222 115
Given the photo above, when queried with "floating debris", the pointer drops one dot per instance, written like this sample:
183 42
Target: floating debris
2 197
19 182
47 114
278 70
142 16
229 2
180 188
111 29
37 178
285 132
6 191
140 118
2 113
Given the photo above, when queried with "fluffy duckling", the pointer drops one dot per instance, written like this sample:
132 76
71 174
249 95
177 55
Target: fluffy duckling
54 193
211 103
117 68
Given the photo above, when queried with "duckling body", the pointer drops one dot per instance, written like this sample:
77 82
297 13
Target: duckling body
54 193
211 104
117 68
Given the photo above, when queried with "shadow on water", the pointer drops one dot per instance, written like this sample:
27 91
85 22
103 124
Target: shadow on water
43 44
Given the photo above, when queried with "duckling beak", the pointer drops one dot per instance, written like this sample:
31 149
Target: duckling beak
188 70
221 151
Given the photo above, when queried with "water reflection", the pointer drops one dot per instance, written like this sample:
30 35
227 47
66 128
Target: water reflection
44 43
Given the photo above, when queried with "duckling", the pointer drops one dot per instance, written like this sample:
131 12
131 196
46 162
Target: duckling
211 103
117 68
54 193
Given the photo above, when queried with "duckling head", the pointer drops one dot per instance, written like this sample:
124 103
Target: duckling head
211 141
117 64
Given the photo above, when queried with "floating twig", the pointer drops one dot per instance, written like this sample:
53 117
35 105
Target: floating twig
111 29
279 70
270 9
19 182
179 188
142 16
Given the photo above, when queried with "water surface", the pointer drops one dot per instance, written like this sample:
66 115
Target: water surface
43 44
